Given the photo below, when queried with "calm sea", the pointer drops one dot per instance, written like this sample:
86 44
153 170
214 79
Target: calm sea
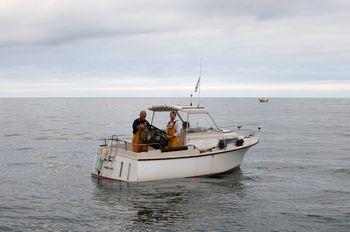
296 179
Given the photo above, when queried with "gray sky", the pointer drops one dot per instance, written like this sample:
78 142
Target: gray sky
152 48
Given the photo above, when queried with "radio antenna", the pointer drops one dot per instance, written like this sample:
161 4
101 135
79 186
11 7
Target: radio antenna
200 75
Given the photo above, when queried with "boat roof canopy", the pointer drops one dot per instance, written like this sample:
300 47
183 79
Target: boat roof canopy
185 109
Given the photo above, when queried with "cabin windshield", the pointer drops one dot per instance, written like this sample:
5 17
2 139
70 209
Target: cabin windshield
161 119
194 122
200 123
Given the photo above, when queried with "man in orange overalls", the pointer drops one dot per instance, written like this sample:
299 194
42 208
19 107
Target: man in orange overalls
140 124
173 130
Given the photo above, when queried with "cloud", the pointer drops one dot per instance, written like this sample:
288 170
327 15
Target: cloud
272 42
269 9
55 22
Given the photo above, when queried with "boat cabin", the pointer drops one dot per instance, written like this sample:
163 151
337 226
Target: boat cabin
193 119
197 129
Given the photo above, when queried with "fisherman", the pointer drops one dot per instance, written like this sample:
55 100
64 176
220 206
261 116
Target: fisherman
173 130
140 125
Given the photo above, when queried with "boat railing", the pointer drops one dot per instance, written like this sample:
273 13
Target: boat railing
199 129
248 129
116 142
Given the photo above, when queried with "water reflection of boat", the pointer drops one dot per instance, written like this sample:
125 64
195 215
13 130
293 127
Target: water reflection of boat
203 150
263 99
165 203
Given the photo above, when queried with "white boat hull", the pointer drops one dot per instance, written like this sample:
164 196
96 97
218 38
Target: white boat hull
138 167
190 167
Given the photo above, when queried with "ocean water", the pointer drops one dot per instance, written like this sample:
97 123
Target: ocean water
296 179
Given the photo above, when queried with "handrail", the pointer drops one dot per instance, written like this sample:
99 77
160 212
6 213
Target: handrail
243 125
110 142
239 127
114 140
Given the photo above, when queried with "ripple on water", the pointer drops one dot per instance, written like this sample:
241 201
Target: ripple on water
56 166
48 156
49 138
321 218
342 170
22 164
64 137
74 123
9 122
337 192
50 130
24 149
12 135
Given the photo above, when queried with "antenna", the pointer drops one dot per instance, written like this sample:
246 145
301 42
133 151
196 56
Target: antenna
199 81
198 84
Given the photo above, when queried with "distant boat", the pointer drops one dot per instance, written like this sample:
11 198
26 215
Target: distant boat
263 99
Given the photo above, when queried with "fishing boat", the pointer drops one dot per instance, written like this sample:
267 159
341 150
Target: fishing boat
263 99
205 149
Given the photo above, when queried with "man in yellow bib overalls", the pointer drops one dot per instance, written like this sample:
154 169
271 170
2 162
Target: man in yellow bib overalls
139 124
173 130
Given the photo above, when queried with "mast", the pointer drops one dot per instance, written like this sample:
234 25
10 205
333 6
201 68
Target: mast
199 81
198 84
